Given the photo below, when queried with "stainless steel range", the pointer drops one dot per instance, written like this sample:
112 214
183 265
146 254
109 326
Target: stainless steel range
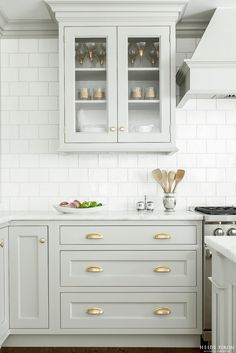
218 221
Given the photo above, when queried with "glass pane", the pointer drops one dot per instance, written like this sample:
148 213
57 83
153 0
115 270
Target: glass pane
90 85
144 85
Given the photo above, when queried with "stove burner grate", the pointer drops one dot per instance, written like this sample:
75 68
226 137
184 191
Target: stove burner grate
217 210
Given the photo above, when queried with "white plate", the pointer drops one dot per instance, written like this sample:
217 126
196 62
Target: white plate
78 210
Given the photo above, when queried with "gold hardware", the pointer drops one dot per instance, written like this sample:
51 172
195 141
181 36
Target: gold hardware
122 129
112 129
1 243
42 240
162 311
162 236
94 269
94 236
94 311
162 269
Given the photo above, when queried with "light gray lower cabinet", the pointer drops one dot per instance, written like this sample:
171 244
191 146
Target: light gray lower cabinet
4 304
145 278
28 276
105 278
223 304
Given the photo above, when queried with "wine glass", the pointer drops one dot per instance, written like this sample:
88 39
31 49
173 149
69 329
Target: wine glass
141 47
156 46
80 52
101 52
132 53
91 46
152 54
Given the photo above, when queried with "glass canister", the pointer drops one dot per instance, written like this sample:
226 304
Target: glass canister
169 201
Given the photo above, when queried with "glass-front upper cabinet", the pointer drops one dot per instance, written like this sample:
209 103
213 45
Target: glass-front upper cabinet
143 84
90 84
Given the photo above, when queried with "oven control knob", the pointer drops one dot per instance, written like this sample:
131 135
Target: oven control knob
231 232
218 232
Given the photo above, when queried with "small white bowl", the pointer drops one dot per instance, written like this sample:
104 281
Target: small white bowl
144 128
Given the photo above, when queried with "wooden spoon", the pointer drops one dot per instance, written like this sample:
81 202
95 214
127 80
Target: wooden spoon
178 177
157 175
171 179
165 180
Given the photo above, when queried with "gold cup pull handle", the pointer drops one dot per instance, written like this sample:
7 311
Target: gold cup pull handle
1 243
94 311
162 311
94 236
94 269
162 269
162 236
42 240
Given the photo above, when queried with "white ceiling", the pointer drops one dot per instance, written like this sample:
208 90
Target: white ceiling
197 10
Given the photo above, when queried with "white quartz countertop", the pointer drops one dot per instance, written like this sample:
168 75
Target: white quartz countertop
100 215
224 245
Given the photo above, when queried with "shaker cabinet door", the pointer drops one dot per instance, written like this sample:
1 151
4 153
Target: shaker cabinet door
28 252
144 97
4 305
90 84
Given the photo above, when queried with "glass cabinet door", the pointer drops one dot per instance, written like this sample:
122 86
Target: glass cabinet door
143 84
90 84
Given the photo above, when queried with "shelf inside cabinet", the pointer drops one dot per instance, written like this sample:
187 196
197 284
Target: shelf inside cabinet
91 101
144 101
90 75
143 75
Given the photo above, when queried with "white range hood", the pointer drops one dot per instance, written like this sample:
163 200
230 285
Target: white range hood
211 73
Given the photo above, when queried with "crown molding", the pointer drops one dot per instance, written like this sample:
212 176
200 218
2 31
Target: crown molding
80 10
49 28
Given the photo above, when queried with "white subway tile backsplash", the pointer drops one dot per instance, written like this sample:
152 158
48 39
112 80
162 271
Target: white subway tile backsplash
35 176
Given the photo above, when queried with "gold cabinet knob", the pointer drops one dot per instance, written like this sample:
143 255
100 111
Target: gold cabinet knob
162 311
1 243
112 129
162 269
122 129
94 311
42 240
162 236
94 236
94 269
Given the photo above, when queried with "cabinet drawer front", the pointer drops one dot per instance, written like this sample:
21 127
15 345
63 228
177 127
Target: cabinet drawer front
128 310
128 268
153 235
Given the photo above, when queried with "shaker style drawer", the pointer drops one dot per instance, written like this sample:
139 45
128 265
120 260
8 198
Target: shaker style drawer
128 310
128 268
153 235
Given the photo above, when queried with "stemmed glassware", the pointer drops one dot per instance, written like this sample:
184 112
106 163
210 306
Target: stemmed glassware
141 47
152 54
132 53
80 52
156 46
101 52
91 46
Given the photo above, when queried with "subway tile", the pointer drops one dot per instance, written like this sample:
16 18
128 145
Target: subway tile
49 189
9 45
19 60
48 45
48 103
29 189
48 131
30 161
98 175
128 160
108 160
47 74
19 146
38 89
29 132
19 89
78 174
38 60
9 103
28 103
9 75
28 74
117 175
28 45
38 175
